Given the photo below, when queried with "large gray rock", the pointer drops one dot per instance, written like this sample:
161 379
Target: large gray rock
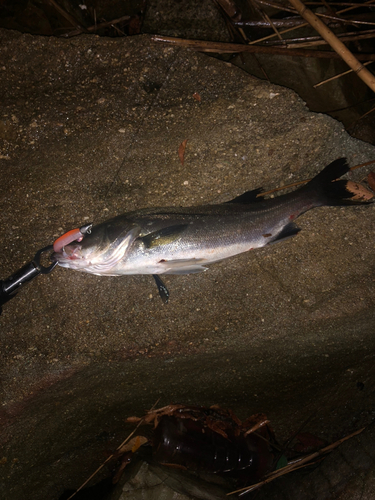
90 128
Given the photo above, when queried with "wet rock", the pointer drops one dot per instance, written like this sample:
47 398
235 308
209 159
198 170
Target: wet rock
198 19
287 330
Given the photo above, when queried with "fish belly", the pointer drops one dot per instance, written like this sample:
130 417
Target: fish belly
183 257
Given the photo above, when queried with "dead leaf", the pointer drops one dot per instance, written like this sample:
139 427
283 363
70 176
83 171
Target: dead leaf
181 151
371 180
175 466
133 420
135 26
217 426
197 97
257 426
133 444
126 459
229 6
308 442
359 191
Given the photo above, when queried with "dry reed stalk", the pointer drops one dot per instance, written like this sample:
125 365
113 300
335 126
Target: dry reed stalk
229 48
278 6
338 76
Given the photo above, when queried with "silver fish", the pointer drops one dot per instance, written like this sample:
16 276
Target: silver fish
185 240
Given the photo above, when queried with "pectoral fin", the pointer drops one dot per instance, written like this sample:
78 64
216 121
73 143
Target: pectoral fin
184 266
188 270
163 236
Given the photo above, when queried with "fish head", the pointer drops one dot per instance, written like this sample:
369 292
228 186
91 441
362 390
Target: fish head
100 250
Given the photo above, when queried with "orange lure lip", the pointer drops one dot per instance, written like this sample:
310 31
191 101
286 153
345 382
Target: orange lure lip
65 239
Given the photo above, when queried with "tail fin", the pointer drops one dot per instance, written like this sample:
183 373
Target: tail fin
331 191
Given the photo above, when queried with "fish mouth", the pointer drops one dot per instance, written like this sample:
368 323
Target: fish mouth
67 254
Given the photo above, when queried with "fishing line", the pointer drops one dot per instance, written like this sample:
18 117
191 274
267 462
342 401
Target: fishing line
140 125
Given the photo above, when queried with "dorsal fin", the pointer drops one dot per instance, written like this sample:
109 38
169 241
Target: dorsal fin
248 197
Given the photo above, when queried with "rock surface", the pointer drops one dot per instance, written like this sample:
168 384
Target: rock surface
90 128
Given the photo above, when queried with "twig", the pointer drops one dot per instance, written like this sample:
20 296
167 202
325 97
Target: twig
228 6
367 113
338 76
353 5
328 7
281 7
360 118
108 23
230 48
113 454
117 29
335 43
95 27
310 41
343 19
231 14
267 18
71 19
228 10
303 462
276 5
289 22
286 444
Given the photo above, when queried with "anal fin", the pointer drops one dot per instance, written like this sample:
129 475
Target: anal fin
287 232
163 290
187 270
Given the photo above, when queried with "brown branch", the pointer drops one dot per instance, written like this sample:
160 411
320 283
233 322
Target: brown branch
71 19
266 18
338 76
288 22
360 118
311 41
344 19
291 467
141 421
99 26
276 5
352 5
230 48
281 7
228 6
